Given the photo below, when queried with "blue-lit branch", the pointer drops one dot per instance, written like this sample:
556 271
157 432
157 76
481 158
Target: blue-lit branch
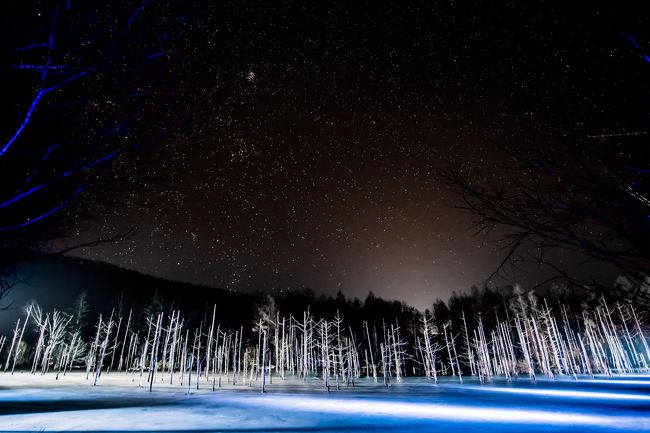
34 105
32 47
39 94
24 123
49 150
19 197
636 46
155 55
60 177
45 87
46 214
24 194
68 81
632 40
137 12
47 67
90 165
40 67
637 169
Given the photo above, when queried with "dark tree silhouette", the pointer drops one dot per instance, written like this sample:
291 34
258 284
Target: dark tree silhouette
84 86
580 194
580 201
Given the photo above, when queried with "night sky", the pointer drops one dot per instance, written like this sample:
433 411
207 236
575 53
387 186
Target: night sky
313 154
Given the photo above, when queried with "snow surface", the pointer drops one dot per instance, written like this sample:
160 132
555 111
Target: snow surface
41 403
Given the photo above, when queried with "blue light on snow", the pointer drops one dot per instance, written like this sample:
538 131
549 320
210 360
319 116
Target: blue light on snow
568 393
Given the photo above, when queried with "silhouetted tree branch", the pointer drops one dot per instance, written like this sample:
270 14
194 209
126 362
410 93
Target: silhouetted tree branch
576 197
584 192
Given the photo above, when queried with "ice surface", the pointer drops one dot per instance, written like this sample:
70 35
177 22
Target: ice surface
41 403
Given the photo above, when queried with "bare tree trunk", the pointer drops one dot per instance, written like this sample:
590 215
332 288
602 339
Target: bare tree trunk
264 350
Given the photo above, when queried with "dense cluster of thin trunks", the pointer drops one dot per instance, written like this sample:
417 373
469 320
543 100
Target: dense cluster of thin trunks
532 340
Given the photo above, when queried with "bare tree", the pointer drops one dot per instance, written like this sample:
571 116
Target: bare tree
575 199
79 90
582 192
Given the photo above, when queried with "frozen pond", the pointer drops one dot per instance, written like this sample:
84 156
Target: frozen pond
41 403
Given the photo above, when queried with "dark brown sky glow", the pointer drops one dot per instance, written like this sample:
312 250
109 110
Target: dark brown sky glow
315 158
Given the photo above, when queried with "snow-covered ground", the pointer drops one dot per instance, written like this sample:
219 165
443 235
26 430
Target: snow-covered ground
41 403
